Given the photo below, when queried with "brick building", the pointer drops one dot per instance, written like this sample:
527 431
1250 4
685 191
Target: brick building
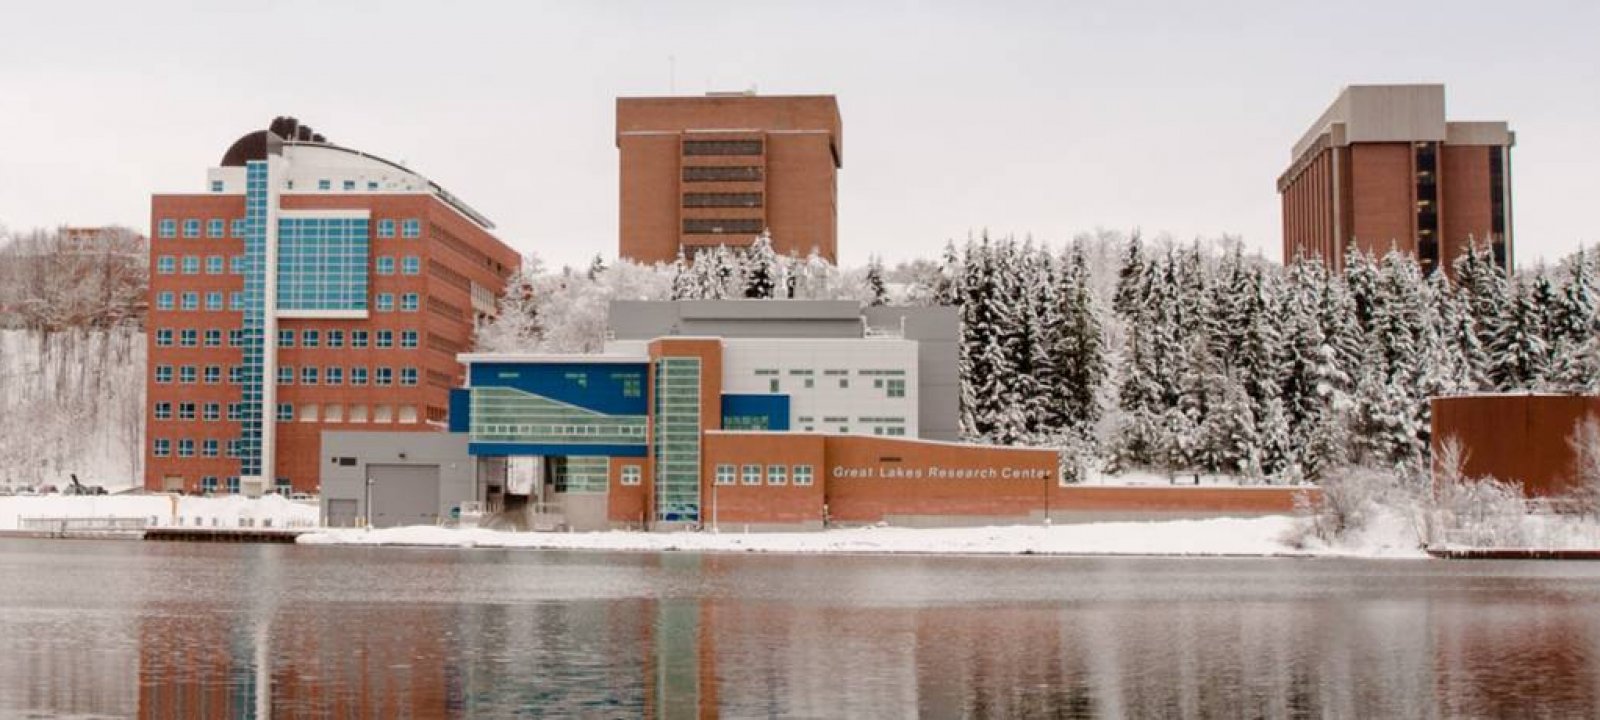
310 286
699 172
1382 168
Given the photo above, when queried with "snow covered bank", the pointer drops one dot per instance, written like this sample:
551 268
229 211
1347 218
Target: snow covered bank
162 510
1223 536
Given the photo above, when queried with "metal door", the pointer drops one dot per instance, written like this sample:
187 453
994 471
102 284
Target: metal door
403 494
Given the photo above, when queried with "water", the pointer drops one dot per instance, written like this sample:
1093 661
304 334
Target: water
174 630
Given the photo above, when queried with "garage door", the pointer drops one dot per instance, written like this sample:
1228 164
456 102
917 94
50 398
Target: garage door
404 494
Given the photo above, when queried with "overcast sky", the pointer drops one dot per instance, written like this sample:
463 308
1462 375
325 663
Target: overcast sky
1047 119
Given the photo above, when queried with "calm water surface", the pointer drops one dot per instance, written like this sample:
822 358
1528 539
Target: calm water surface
165 630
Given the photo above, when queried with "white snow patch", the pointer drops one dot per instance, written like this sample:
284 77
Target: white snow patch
162 510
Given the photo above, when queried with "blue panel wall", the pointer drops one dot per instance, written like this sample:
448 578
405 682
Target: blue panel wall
460 410
603 388
774 407
494 449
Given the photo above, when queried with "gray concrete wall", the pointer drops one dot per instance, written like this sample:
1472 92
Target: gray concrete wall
347 482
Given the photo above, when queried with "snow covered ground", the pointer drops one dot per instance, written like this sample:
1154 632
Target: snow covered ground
162 510
1221 536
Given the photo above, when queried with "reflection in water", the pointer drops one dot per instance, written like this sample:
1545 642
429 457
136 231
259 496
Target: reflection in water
160 630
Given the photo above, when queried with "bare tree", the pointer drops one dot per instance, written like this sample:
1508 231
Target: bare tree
1585 444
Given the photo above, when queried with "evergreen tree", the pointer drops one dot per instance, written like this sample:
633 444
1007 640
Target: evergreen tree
1079 348
684 283
761 269
878 294
1518 353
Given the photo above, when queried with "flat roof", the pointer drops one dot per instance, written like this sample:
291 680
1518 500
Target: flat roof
550 358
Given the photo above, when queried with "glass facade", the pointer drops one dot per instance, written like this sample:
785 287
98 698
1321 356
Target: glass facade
501 414
253 323
580 474
322 263
677 439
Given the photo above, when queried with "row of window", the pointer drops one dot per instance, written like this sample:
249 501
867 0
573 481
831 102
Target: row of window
190 300
287 412
332 339
752 474
359 375
235 265
214 227
892 387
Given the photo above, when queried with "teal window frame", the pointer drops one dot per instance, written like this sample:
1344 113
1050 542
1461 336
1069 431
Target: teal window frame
167 228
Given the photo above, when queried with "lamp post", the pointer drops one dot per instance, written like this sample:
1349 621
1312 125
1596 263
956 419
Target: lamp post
367 502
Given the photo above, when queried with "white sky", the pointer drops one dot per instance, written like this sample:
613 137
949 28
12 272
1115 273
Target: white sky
1043 118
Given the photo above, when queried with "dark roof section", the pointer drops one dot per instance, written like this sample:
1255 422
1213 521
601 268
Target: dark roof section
287 130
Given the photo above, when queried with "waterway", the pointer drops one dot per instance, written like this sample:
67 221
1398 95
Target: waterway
162 630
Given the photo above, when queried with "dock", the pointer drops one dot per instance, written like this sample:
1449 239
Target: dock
1512 554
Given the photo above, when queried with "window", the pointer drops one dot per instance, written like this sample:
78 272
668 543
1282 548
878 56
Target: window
236 265
166 265
358 375
164 300
310 338
191 264
214 300
719 226
802 475
185 448
187 374
163 374
724 474
383 376
211 412
335 338
233 484
308 375
384 265
324 184
722 147
191 301
168 228
285 374
208 484
772 385
385 302
213 375
236 301
408 340
722 200
163 411
410 265
237 229
408 376
285 412
372 184
216 186
235 338
409 302
358 338
333 375
631 474
235 411
215 265
385 339
191 228
208 448
216 228
745 173
777 474
161 447
333 412
213 338
164 337
286 338
411 228
897 388
232 448
309 412
235 374
844 383
349 185
752 474
386 228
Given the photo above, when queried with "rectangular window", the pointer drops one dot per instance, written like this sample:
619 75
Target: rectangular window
285 374
236 301
335 338
208 448
722 147
384 303
411 265
216 186
285 412
724 474
191 228
777 474
383 265
163 411
386 228
233 484
213 375
385 339
408 376
161 447
214 300
168 228
185 448
722 200
308 375
191 264
235 374
411 228
310 338
164 337
897 388
286 338
213 338
408 340
215 265
772 385
216 228
333 375
191 301
163 374
235 411
732 173
236 265
358 338
235 338
409 302
752 474
208 484
237 228
631 474
802 475
349 185
187 374
211 412
720 226
166 265
383 376
358 375
324 184
372 184
164 300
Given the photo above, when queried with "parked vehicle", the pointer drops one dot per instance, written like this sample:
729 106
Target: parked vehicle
78 488
46 490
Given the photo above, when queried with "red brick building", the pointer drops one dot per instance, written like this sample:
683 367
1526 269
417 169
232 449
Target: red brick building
310 287
699 172
1383 168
